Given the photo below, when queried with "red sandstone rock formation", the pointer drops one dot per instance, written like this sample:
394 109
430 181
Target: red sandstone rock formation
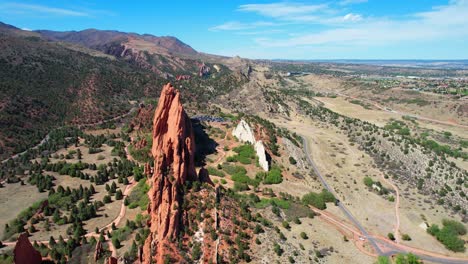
203 70
142 120
98 251
141 144
147 170
173 151
24 252
110 260
183 77
204 176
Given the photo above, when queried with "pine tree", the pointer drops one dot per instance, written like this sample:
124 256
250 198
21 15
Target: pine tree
118 195
52 241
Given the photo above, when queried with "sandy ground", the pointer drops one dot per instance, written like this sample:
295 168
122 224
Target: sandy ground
86 158
345 167
325 235
106 213
11 206
343 107
379 117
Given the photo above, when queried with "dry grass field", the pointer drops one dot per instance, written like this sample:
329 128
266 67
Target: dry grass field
14 198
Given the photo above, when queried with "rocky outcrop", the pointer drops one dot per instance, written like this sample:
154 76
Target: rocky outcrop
203 176
203 70
98 251
173 151
147 170
296 153
142 120
261 153
110 260
246 71
245 134
24 252
183 77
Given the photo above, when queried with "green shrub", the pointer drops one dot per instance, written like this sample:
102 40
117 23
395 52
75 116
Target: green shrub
448 234
273 176
319 200
368 181
406 237
215 172
292 161
139 196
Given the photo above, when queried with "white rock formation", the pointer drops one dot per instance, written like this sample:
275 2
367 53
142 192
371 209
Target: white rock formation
245 134
260 149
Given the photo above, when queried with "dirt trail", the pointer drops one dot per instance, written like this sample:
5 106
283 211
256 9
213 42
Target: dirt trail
382 245
116 221
397 208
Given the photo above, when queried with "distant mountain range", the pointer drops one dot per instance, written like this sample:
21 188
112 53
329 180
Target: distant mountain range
49 78
105 39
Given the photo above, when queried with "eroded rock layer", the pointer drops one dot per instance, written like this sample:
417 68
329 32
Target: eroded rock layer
173 151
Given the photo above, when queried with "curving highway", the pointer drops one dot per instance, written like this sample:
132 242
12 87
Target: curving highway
381 245
339 204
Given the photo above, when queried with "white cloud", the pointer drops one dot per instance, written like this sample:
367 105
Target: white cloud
236 25
20 8
261 32
286 11
352 17
352 2
442 22
290 12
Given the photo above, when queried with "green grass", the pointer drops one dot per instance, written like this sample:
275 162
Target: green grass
281 203
232 169
139 196
273 176
215 172
318 200
245 154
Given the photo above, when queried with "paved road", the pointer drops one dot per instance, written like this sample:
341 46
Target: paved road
382 246
340 205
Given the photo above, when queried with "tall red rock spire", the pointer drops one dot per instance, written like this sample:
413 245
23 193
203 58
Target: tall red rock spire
173 151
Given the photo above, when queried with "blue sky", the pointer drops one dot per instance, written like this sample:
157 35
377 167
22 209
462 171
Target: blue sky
341 29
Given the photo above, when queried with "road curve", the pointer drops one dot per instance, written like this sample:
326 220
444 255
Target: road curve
381 245
340 205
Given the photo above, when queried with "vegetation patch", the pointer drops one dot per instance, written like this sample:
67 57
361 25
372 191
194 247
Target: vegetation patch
449 234
273 176
139 196
245 154
319 200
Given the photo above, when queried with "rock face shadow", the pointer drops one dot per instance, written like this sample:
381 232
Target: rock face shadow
204 145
